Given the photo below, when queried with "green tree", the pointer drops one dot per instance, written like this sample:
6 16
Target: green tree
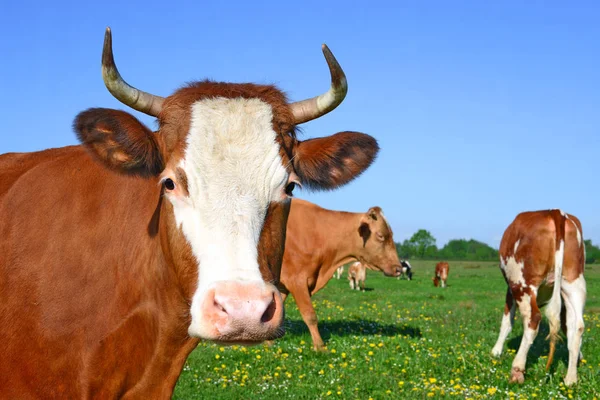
421 244
592 253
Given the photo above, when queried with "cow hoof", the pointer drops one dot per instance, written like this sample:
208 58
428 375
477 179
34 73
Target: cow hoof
496 352
517 376
320 348
570 380
269 343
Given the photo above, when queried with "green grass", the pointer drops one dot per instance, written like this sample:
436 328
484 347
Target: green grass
399 339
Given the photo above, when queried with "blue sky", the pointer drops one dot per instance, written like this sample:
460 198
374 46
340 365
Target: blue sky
482 109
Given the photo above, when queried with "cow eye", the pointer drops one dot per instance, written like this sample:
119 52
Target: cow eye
289 189
169 184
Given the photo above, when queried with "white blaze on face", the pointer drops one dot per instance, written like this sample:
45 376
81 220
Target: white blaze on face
234 171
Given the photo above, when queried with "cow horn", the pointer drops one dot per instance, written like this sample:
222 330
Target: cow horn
125 93
310 109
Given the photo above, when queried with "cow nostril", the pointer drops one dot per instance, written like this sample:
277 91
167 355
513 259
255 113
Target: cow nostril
219 307
269 312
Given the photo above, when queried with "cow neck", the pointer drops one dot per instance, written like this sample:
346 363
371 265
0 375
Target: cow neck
347 244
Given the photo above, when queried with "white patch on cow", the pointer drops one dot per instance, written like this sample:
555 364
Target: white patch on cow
575 295
505 328
234 171
528 333
561 212
516 246
576 230
514 271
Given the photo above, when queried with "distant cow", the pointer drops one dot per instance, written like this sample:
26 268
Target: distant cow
357 275
319 240
339 272
441 274
542 256
118 255
406 270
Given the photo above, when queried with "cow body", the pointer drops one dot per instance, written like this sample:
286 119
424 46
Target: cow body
117 256
542 257
357 275
441 274
318 241
406 270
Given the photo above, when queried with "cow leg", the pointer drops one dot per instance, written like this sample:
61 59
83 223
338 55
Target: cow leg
508 320
351 281
531 322
574 297
310 317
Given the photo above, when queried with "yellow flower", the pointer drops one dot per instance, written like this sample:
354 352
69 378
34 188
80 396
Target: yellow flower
401 383
258 356
321 372
430 394
329 393
432 380
333 351
217 356
492 390
299 350
221 348
343 355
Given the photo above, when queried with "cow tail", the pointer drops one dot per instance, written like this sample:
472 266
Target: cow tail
554 306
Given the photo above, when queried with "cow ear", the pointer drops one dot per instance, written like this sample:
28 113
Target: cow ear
120 141
372 213
332 161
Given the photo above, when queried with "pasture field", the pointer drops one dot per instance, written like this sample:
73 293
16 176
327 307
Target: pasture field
399 340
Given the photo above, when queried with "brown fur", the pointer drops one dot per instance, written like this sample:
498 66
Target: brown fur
95 276
539 234
357 275
319 241
441 273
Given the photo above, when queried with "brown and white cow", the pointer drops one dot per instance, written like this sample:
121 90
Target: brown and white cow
542 257
319 240
118 255
357 275
441 274
339 272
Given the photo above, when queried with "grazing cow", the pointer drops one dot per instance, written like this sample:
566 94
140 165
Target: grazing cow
357 275
406 270
339 272
117 256
319 240
542 257
441 274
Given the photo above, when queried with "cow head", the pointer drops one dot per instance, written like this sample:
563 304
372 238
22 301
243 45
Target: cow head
226 159
378 247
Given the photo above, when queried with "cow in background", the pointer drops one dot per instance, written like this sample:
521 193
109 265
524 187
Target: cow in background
319 240
357 275
542 257
117 256
406 270
441 274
